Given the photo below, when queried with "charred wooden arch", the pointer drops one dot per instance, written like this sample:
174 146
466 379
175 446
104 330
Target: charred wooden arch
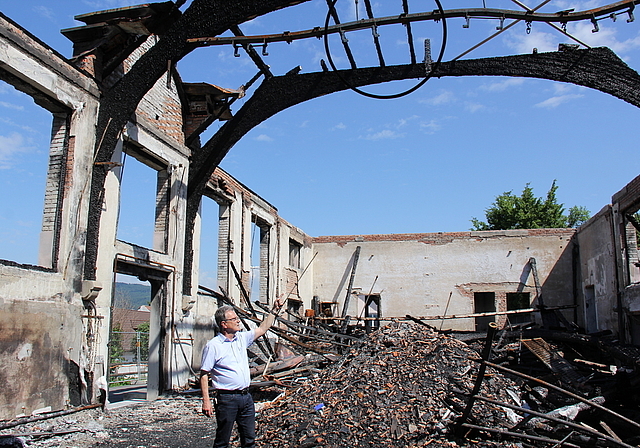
597 68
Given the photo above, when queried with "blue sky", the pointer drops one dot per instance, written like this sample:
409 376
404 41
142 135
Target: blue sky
346 164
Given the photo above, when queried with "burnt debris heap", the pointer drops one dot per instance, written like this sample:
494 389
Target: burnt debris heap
395 389
409 385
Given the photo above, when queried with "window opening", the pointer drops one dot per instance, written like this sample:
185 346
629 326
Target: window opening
519 301
209 243
259 260
484 302
294 254
32 159
144 201
294 307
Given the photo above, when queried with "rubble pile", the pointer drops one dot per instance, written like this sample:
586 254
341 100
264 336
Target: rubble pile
399 387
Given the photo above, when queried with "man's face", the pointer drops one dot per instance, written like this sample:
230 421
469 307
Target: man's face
231 323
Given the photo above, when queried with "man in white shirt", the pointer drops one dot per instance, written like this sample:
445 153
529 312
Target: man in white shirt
225 360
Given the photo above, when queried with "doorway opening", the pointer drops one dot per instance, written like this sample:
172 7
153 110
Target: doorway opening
484 302
149 282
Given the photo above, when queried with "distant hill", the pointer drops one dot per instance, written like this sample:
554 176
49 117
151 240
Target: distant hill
131 296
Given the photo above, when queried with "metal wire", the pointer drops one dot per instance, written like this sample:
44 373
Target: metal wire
422 82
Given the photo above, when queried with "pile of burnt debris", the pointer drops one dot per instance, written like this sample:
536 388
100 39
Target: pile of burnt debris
409 385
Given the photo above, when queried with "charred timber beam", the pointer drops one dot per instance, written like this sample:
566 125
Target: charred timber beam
563 391
504 432
48 415
627 354
354 266
476 13
570 424
596 68
486 352
290 323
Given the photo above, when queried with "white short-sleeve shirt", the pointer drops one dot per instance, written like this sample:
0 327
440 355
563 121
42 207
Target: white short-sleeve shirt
226 360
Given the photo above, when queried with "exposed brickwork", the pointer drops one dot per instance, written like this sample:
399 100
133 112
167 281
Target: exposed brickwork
224 248
162 210
161 106
291 283
56 170
629 197
441 237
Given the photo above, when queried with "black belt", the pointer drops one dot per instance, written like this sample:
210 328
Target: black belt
235 391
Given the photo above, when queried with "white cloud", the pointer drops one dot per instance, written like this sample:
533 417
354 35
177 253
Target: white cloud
556 101
263 138
9 147
524 43
445 97
561 88
384 134
402 122
45 12
605 37
340 125
11 105
473 107
502 85
430 127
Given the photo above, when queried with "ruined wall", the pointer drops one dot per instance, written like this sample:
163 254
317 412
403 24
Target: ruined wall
416 273
240 207
154 137
596 277
625 205
43 352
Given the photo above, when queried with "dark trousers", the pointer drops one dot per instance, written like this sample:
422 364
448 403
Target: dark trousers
237 408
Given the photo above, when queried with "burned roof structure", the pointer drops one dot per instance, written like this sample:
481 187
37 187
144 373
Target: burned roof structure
120 97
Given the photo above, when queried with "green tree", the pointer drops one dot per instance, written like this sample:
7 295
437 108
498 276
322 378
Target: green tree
116 351
526 211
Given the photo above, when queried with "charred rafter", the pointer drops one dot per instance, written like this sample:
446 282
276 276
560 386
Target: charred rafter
476 13
597 68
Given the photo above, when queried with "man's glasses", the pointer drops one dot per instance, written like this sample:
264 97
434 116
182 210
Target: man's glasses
234 319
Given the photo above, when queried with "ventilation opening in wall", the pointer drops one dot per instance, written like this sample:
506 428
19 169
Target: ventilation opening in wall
32 162
144 200
209 243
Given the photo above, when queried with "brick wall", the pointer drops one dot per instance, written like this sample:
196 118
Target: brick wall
161 106
441 237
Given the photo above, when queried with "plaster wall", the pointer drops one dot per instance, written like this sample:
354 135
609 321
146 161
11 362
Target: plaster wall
43 356
416 273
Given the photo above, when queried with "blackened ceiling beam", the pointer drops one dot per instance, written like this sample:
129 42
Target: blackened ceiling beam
596 68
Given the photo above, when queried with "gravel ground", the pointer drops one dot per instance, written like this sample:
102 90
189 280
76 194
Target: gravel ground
170 422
